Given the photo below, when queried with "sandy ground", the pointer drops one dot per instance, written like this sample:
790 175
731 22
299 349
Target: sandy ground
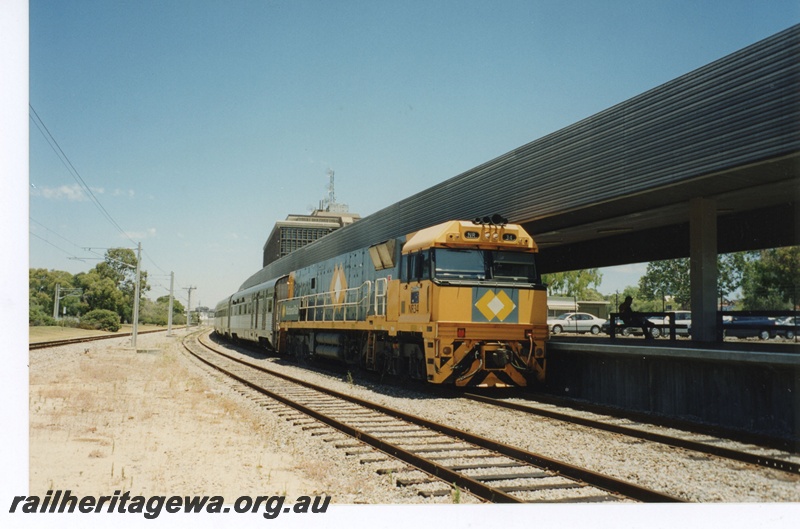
104 417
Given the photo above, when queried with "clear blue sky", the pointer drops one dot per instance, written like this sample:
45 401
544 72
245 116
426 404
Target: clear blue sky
198 124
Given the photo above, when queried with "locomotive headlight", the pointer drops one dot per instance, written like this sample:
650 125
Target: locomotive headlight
494 236
509 237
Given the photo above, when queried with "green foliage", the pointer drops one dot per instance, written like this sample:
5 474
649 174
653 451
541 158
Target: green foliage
670 279
101 292
667 278
576 283
42 287
157 313
730 272
772 279
639 304
177 306
38 317
101 319
455 493
108 286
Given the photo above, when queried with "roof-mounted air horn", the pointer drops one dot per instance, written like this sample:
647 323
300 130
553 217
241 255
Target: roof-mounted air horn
494 220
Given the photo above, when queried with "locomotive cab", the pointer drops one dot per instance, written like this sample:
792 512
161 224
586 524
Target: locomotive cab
472 291
459 303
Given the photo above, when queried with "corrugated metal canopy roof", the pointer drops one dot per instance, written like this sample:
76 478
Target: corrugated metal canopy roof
614 187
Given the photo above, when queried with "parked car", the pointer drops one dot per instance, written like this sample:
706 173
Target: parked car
575 322
749 327
621 329
628 330
788 333
683 324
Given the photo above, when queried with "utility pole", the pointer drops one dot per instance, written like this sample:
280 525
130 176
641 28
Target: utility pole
169 313
62 293
189 306
55 305
136 296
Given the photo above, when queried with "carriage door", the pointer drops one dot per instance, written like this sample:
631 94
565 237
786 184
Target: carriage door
254 313
281 293
266 307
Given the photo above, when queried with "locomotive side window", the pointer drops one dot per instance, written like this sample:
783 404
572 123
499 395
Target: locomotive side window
416 266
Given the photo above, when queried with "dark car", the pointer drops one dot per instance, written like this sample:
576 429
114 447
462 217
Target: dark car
749 327
621 329
787 327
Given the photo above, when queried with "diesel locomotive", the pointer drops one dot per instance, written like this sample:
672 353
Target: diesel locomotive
459 303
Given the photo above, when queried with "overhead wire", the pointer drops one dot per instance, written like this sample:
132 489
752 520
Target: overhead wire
72 170
54 233
54 246
54 145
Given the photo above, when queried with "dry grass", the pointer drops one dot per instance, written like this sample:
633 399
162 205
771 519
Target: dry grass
111 418
53 332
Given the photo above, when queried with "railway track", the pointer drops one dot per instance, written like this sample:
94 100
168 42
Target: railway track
436 457
58 343
757 450
609 424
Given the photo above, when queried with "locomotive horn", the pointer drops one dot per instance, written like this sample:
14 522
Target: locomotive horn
499 220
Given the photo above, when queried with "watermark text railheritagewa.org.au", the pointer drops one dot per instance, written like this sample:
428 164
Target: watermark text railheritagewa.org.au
152 506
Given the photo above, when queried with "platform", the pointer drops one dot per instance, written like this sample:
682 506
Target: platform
745 386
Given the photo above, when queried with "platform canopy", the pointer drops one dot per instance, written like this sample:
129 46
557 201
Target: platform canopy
617 187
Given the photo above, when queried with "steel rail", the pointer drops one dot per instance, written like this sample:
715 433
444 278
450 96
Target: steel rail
472 486
597 480
728 453
69 341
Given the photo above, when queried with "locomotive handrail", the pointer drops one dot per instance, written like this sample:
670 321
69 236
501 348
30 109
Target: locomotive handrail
381 291
322 307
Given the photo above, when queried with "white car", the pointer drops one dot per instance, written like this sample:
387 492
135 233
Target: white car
683 324
575 322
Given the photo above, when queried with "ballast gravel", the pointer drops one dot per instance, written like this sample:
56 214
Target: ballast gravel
314 462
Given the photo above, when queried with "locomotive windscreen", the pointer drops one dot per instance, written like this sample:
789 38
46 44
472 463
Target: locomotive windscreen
482 265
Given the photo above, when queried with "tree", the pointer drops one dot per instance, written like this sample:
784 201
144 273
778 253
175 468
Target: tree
42 288
772 280
671 278
100 292
576 283
119 266
641 303
158 313
730 271
667 278
106 320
